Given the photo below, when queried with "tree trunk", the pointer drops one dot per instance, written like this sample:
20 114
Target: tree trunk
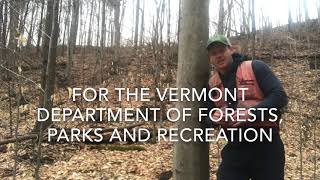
111 33
98 26
102 40
318 10
117 34
45 47
8 61
161 21
221 18
168 26
13 25
1 26
179 20
155 37
230 4
2 34
74 24
306 14
66 27
89 41
72 37
289 17
191 160
103 26
53 14
40 27
253 21
299 12
142 25
4 23
24 8
136 30
30 36
244 24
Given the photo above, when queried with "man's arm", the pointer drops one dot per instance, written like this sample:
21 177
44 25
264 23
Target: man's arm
270 85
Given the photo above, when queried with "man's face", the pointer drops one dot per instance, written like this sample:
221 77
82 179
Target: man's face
220 56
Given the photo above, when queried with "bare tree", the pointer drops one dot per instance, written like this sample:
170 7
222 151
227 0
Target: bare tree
89 41
30 32
156 23
45 47
98 24
8 63
168 21
110 28
230 4
243 25
191 160
49 63
179 20
253 23
289 17
299 14
24 5
12 46
13 25
116 5
1 22
40 26
74 24
72 37
136 30
161 21
318 9
306 14
221 18
103 26
142 24
103 38
53 9
66 27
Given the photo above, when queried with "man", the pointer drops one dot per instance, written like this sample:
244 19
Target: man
244 160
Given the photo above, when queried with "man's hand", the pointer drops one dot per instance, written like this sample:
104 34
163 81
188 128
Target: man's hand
221 119
241 117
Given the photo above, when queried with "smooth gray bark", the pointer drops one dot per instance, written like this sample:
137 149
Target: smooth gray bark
191 160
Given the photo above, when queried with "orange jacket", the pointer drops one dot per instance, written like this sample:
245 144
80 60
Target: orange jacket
245 78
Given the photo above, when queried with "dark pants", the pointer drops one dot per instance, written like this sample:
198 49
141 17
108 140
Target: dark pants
255 161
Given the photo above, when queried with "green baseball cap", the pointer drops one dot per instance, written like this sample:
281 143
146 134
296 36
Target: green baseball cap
218 39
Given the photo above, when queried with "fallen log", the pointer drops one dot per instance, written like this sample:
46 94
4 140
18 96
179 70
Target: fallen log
19 139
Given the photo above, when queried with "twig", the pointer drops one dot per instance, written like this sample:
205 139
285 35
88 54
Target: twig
27 79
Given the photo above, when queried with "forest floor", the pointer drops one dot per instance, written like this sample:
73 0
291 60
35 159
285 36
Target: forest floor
147 160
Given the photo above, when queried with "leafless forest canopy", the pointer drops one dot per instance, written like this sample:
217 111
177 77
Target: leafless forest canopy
48 47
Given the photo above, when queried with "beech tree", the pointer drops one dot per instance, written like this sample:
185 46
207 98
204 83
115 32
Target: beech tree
191 159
